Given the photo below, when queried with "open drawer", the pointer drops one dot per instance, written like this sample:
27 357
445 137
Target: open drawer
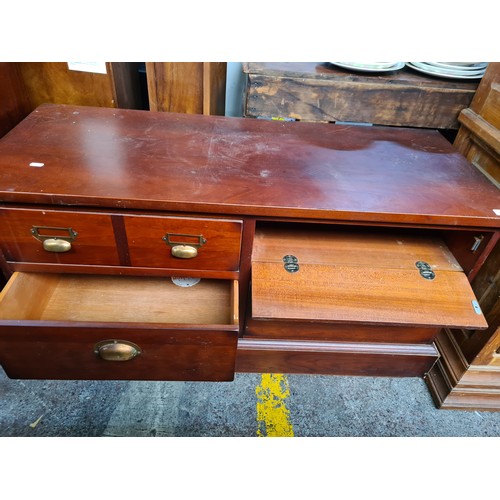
357 286
61 326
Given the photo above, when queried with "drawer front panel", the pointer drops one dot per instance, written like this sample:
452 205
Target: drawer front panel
204 244
338 332
61 352
89 235
323 358
63 326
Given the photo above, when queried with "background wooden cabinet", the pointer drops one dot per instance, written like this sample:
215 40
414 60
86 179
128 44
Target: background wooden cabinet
322 92
14 100
181 87
26 85
187 87
54 82
467 376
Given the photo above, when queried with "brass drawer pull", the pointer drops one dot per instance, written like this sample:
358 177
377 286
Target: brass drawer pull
117 350
55 243
187 247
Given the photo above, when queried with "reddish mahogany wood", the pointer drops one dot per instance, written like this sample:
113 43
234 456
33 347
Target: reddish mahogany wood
110 239
337 332
15 102
124 161
212 164
329 358
41 350
50 324
94 243
221 250
119 270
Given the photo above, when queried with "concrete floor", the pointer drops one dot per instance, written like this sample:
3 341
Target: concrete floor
252 405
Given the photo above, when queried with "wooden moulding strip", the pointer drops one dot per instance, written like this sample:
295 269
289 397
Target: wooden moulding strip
480 128
347 347
453 361
438 383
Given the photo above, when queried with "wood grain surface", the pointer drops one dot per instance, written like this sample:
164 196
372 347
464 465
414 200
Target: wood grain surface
51 323
361 278
88 298
221 250
325 92
369 295
341 247
330 358
93 245
212 164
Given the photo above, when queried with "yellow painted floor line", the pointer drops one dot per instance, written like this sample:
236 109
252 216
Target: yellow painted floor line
273 417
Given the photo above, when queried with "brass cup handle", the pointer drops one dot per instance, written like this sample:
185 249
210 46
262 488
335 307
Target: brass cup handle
184 246
117 350
184 251
54 243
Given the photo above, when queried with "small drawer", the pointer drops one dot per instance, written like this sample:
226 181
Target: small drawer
63 326
184 243
57 237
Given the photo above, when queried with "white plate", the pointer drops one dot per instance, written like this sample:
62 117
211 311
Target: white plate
370 67
438 72
452 72
447 66
466 64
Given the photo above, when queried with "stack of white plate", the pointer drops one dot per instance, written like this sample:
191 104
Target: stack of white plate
469 70
370 66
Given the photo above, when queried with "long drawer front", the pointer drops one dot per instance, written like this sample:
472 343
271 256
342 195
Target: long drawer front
104 327
334 358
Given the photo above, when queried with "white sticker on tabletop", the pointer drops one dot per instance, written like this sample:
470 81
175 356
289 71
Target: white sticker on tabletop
185 282
497 211
89 67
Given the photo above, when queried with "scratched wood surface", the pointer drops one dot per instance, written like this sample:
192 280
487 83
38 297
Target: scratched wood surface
214 164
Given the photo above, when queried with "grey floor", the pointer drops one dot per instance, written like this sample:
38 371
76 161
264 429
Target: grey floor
317 406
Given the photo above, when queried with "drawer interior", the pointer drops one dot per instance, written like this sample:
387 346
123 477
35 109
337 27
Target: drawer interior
359 277
97 298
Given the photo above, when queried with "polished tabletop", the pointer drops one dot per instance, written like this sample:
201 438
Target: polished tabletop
106 157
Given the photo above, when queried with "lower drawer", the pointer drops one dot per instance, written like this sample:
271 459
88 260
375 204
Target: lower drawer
117 328
335 358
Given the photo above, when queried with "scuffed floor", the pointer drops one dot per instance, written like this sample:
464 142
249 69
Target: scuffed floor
253 405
